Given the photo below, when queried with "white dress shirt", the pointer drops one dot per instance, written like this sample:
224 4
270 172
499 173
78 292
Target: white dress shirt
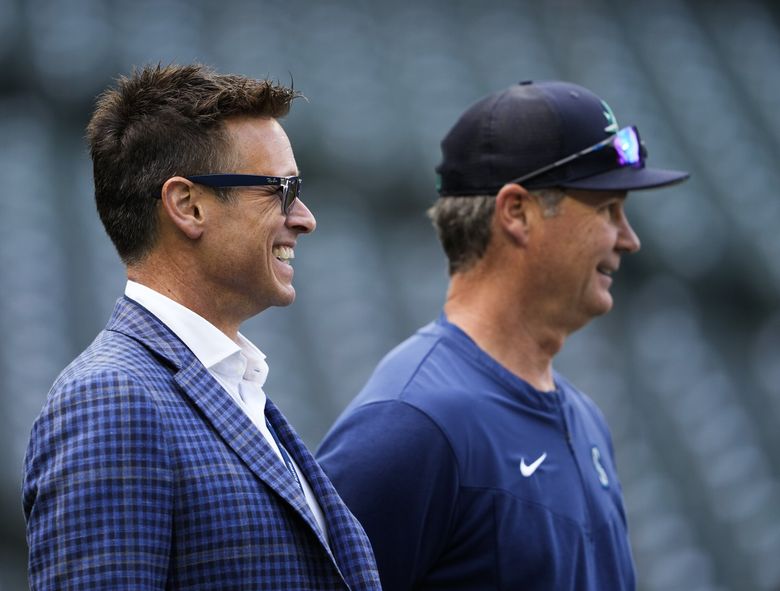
239 367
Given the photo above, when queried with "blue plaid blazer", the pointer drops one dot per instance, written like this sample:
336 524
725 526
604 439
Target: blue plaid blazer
143 473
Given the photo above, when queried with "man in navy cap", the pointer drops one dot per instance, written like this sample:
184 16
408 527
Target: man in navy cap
470 461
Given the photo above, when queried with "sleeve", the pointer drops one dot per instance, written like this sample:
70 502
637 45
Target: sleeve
397 473
97 489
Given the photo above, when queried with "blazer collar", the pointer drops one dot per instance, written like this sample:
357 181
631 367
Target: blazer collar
224 415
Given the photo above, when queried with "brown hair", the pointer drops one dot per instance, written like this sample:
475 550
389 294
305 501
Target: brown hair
161 122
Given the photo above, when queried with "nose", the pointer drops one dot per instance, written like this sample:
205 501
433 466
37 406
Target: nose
627 241
300 218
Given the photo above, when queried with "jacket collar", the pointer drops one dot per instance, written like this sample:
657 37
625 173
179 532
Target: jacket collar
226 418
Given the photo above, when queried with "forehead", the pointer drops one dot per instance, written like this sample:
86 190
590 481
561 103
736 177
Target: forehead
261 146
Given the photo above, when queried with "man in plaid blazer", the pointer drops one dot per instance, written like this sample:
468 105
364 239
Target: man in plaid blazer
157 462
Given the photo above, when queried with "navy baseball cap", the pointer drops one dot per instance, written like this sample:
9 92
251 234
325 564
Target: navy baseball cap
544 134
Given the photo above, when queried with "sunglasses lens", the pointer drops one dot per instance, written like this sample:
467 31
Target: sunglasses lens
291 190
627 147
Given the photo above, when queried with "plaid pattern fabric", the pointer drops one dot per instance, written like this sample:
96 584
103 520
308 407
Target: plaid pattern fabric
142 473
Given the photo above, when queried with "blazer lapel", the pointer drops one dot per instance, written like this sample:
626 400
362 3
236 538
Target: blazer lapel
225 416
241 434
348 540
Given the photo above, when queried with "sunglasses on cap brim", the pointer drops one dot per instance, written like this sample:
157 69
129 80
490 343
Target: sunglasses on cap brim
627 150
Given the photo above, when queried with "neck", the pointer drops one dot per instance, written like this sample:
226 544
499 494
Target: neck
179 282
505 324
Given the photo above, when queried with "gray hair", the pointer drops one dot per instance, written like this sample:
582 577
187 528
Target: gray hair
463 224
463 227
550 199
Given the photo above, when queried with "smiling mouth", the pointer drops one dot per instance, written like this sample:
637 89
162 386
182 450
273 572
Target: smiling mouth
283 254
605 271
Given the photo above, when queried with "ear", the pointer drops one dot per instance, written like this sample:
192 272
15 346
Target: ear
513 213
183 205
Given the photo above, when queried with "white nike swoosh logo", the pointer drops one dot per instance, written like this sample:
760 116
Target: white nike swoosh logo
527 470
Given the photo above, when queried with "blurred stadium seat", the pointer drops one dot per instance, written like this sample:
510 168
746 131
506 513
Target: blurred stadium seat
686 368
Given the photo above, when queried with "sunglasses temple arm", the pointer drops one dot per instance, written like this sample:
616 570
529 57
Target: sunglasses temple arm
562 161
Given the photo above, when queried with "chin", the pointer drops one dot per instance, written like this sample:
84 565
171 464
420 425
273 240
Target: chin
604 308
277 298
285 297
601 306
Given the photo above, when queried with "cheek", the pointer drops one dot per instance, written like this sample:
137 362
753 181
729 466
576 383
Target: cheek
258 234
243 247
598 237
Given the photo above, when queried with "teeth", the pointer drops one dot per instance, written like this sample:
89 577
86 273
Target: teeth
283 253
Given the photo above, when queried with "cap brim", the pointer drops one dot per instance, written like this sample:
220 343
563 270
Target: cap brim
628 179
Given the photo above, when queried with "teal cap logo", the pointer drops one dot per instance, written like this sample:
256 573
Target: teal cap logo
612 124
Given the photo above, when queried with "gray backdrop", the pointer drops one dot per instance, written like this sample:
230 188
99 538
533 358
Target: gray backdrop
685 368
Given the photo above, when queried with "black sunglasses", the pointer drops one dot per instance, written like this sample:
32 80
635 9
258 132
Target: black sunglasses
291 185
626 146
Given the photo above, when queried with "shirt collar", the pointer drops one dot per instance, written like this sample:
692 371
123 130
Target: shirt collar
213 348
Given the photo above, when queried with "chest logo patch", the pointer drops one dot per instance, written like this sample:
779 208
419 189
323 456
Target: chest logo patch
602 473
528 469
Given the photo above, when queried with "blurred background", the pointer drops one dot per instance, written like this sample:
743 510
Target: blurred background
686 367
